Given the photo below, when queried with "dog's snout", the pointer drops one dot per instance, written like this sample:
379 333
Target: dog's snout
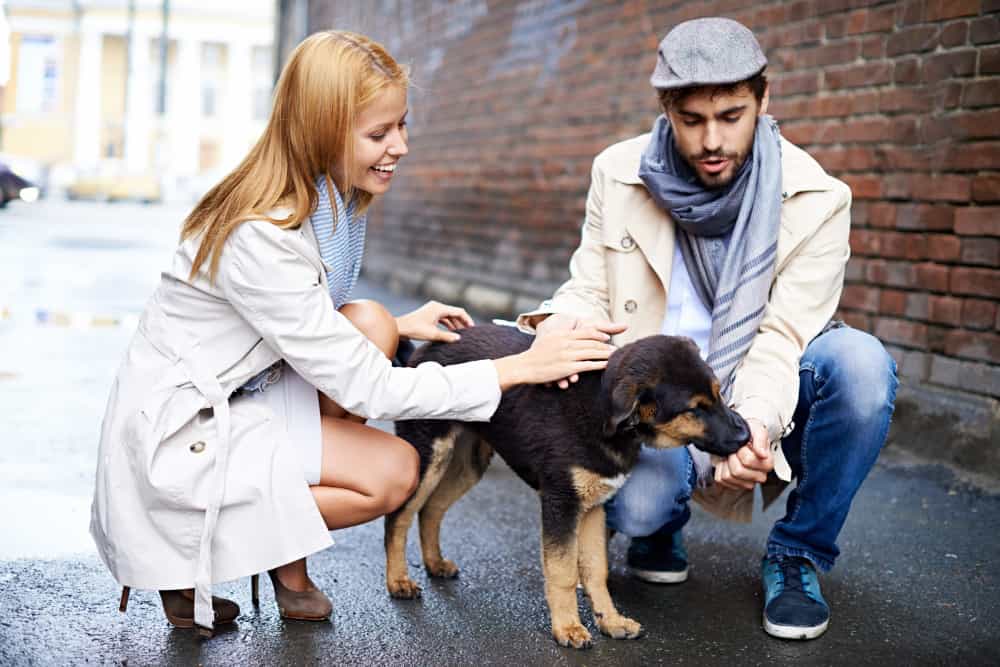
742 430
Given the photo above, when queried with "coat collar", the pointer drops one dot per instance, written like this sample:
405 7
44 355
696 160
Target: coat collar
799 171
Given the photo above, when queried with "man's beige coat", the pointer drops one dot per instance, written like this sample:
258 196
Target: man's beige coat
621 271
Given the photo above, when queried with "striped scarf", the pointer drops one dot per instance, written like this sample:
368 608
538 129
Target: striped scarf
342 245
728 236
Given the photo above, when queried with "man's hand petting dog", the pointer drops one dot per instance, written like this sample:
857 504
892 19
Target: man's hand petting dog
564 322
750 464
422 323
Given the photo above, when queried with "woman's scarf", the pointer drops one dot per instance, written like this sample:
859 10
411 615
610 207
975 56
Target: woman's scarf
728 236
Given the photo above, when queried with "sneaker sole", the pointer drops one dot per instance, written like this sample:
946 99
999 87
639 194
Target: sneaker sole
794 631
660 576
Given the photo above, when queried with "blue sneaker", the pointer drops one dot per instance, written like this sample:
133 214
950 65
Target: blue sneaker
794 607
659 558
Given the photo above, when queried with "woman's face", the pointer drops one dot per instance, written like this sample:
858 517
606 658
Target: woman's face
380 141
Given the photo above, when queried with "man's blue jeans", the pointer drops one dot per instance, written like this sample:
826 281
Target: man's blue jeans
847 388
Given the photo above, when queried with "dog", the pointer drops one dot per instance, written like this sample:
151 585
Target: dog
575 447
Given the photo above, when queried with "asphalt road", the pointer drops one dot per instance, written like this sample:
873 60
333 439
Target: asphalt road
917 583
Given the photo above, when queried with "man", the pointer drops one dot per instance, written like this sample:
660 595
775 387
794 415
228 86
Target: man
714 227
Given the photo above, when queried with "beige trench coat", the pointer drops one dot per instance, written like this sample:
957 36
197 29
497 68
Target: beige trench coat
621 271
195 486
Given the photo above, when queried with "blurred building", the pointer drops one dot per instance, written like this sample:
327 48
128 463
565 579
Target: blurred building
85 93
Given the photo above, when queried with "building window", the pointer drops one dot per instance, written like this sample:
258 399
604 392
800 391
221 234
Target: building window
262 58
212 77
38 74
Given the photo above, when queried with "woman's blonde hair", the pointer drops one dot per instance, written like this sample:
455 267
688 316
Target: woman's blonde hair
329 78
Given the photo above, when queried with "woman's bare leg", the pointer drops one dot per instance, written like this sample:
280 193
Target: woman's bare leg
365 473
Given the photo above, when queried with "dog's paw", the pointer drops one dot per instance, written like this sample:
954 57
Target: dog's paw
620 627
404 589
442 568
574 635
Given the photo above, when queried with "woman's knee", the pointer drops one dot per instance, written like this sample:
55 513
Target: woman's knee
377 324
400 479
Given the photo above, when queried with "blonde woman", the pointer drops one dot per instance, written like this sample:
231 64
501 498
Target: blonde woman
234 437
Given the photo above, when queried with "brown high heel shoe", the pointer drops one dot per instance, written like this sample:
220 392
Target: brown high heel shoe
179 609
311 605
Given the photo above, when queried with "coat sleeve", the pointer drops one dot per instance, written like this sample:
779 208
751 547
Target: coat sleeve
803 298
586 292
279 292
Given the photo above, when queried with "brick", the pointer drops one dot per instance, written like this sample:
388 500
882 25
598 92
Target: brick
873 47
972 157
943 247
825 54
860 297
858 320
916 305
944 310
978 314
863 187
882 214
795 83
892 274
906 99
975 345
983 124
982 93
932 277
892 302
965 375
942 187
938 10
986 188
856 76
948 65
989 60
906 70
985 30
978 221
902 332
917 39
981 252
976 282
954 34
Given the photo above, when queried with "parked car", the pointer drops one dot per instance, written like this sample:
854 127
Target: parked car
14 186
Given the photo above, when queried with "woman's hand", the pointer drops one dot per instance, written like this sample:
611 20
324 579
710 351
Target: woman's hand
562 321
556 355
422 324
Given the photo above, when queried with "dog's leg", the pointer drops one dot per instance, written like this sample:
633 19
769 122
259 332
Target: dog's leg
594 576
560 517
397 524
468 463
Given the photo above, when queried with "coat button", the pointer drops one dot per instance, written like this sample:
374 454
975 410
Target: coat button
630 306
197 447
628 242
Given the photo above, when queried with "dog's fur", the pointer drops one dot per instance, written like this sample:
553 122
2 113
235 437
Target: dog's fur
574 446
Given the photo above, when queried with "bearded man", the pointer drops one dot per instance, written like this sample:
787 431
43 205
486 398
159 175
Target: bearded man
714 227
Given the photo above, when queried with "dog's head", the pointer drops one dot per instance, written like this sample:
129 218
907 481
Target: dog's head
661 389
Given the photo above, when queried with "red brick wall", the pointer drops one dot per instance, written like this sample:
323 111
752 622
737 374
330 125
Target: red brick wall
514 99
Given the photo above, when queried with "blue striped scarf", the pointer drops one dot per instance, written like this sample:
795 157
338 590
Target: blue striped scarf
342 245
728 236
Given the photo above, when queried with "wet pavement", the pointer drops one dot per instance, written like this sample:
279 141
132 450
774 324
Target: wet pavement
917 582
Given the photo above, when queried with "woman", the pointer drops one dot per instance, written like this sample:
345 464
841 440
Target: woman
214 418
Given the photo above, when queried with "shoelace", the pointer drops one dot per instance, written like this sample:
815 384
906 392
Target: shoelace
791 575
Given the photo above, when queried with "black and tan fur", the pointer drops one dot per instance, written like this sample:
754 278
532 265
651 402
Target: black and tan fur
574 446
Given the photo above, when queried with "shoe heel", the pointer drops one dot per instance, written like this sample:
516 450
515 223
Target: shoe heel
124 600
255 590
204 633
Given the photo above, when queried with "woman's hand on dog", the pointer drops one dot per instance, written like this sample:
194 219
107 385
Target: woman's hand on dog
750 464
564 322
556 355
422 323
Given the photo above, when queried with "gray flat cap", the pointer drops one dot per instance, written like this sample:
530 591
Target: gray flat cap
706 52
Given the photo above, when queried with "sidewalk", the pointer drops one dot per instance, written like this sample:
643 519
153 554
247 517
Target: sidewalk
917 582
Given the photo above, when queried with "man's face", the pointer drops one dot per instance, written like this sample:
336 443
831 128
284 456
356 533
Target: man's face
714 133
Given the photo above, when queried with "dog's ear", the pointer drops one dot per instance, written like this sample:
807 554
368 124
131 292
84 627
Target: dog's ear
625 403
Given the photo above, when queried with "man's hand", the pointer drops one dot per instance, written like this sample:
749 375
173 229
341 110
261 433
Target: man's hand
422 323
750 464
564 322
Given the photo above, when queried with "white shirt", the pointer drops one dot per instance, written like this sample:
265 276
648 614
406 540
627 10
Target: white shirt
686 314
